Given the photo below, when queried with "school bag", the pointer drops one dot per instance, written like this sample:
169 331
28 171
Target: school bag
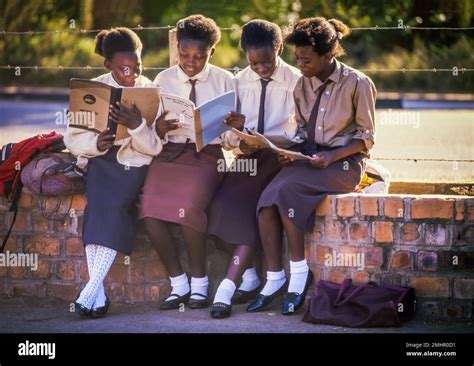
13 158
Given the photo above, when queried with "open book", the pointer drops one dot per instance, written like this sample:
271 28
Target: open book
256 139
203 123
89 105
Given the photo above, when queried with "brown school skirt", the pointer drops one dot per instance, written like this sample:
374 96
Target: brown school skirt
299 188
232 211
180 190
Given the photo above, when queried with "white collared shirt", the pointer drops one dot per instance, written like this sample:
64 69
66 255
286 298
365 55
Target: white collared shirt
212 81
279 121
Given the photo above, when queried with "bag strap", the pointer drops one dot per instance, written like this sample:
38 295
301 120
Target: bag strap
41 202
14 208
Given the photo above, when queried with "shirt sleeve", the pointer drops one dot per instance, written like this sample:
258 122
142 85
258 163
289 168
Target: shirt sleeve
364 105
145 140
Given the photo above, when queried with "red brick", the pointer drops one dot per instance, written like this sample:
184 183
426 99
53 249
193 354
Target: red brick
464 288
154 291
74 247
136 272
345 206
359 231
321 253
470 210
79 202
19 273
373 257
65 270
336 275
3 272
325 208
116 292
84 271
427 261
63 291
318 231
393 207
384 232
401 260
42 245
317 273
26 289
432 208
459 210
43 271
430 286
334 230
26 200
134 293
11 244
360 277
21 222
118 273
155 271
410 232
39 223
369 206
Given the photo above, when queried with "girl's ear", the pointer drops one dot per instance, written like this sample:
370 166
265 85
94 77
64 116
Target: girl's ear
107 64
213 49
280 50
328 57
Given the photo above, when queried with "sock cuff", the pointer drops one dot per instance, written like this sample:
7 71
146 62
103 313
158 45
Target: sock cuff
275 275
228 285
179 280
250 274
299 267
201 281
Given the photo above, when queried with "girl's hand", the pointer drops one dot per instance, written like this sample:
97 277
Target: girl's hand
128 117
163 126
105 140
284 160
248 149
235 120
321 160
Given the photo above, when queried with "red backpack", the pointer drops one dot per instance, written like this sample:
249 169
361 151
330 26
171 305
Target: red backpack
15 156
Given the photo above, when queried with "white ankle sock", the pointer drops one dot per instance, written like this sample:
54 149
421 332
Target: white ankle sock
225 291
250 280
199 286
274 281
180 286
298 275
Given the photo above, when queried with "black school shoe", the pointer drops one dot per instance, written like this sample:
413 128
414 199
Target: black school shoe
262 301
198 303
102 311
243 297
175 302
293 301
81 309
219 310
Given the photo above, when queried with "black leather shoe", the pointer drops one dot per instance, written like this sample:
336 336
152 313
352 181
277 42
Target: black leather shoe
293 301
175 302
262 301
243 297
219 310
82 310
198 303
102 311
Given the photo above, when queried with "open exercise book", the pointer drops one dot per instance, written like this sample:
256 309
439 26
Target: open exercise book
257 139
89 109
203 123
89 105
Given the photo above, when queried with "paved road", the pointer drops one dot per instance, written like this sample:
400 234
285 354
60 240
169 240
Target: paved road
418 134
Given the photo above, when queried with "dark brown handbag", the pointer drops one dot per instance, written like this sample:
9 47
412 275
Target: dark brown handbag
367 305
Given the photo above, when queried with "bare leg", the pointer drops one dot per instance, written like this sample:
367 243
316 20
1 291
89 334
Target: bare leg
196 249
295 238
240 261
270 226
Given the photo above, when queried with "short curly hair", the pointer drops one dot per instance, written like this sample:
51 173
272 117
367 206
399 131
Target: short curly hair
260 33
121 39
199 28
324 35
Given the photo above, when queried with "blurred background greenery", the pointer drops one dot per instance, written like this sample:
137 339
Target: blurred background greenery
365 49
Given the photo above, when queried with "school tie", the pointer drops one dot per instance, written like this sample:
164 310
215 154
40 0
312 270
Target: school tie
261 110
314 114
192 95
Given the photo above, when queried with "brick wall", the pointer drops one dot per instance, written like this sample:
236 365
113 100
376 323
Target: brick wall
422 241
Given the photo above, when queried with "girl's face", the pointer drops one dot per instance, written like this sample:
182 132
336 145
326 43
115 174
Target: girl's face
125 67
193 55
310 62
263 60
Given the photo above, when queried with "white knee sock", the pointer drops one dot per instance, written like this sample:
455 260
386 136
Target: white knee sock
180 286
103 260
199 286
250 280
225 291
91 250
299 274
274 282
